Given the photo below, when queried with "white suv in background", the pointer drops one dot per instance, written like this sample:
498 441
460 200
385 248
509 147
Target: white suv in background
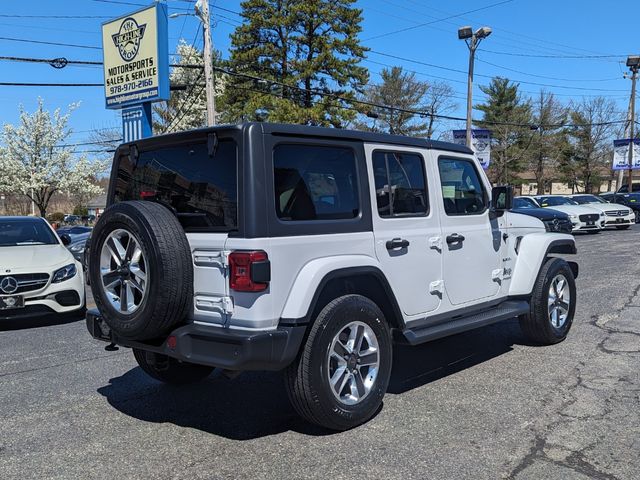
38 275
583 218
615 215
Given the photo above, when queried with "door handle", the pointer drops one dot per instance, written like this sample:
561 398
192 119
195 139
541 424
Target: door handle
397 243
455 238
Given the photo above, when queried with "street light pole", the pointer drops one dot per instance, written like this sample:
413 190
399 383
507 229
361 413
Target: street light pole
472 39
634 64
202 10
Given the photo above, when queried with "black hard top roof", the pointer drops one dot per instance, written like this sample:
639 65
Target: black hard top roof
307 131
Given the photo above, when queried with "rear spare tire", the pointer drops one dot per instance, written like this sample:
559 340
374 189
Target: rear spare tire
140 269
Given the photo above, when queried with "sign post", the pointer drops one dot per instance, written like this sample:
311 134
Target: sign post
480 144
136 67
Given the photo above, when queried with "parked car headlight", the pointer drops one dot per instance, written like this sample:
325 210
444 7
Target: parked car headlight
78 247
64 273
573 217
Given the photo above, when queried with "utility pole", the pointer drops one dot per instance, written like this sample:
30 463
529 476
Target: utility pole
472 39
627 134
202 10
633 63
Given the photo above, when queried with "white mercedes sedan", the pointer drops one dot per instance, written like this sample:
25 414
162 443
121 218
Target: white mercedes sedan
584 218
38 275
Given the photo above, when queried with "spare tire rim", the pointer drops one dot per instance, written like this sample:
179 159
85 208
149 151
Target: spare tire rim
559 301
353 363
124 271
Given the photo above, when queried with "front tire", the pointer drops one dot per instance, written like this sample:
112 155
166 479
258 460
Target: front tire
169 370
553 304
343 370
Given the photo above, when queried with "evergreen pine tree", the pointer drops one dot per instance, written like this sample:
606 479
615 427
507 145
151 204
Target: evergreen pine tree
508 116
405 92
302 55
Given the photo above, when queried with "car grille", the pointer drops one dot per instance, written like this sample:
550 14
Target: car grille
616 213
590 217
561 225
27 282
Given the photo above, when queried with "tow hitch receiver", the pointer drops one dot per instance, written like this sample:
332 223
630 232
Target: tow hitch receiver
97 327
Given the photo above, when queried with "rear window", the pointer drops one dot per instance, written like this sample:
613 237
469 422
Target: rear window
315 182
202 189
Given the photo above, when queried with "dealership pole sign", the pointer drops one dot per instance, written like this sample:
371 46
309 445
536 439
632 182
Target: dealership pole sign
621 154
136 66
480 144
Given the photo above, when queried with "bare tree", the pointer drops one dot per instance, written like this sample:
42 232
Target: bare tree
590 136
438 100
549 139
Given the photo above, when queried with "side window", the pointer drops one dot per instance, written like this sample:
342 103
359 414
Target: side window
315 182
400 184
462 189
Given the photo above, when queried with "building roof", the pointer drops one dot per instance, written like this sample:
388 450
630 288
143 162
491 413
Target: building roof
98 202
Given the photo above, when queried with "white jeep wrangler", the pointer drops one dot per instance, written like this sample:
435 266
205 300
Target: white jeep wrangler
268 247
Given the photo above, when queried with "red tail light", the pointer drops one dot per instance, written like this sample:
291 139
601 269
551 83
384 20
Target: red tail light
250 271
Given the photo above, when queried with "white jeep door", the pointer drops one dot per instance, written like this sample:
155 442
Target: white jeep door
404 224
472 238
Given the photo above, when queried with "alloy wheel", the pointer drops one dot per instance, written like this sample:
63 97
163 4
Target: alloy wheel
124 271
559 301
353 363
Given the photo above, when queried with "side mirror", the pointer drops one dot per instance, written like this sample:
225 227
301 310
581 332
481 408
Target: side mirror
502 198
66 239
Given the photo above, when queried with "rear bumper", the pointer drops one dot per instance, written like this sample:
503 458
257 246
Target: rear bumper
215 346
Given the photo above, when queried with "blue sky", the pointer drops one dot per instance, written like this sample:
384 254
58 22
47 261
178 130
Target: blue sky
572 48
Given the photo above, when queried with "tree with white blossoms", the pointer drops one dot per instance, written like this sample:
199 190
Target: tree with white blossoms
186 109
34 163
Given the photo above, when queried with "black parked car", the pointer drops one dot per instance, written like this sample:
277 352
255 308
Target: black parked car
631 200
554 221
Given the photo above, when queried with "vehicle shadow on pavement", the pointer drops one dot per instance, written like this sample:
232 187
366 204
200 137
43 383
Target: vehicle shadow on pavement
37 322
416 366
251 406
255 404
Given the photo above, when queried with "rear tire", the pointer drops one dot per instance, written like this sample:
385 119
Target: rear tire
553 304
169 370
342 372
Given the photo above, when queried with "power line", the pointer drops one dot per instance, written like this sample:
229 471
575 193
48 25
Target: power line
529 55
546 77
411 60
28 40
177 120
438 20
25 84
404 110
62 62
4 15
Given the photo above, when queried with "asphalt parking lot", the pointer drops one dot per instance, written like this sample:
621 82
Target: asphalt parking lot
481 405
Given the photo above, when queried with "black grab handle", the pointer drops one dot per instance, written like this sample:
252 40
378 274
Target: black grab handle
397 243
455 238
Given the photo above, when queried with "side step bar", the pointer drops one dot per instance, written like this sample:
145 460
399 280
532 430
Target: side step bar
503 311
